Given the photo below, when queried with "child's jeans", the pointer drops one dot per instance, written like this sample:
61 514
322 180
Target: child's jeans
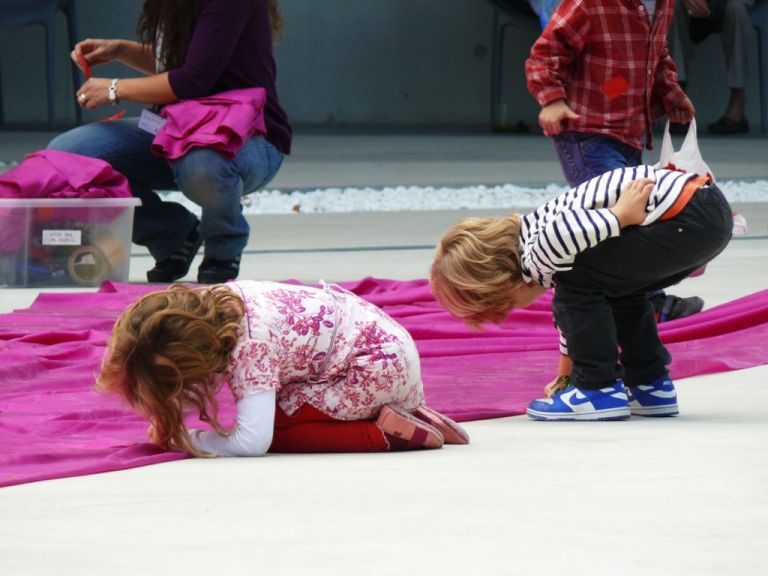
601 305
583 156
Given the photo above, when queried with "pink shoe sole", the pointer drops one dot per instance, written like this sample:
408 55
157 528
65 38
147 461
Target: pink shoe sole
451 430
406 432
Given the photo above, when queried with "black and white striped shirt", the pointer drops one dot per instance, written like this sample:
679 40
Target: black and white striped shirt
579 219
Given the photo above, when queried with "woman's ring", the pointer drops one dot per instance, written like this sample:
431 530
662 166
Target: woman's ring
83 98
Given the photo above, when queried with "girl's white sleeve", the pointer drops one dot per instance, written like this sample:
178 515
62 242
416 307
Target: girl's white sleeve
252 434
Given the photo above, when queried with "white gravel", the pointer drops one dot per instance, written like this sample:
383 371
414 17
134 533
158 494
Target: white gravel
414 198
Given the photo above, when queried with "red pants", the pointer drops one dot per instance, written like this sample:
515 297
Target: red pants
309 430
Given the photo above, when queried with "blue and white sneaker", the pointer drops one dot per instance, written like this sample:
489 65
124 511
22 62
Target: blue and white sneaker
658 398
573 403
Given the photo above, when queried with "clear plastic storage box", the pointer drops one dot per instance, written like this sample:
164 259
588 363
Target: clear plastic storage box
65 242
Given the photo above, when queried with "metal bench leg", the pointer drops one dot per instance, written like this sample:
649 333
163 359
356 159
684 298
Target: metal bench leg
2 115
69 13
760 22
501 21
50 67
497 65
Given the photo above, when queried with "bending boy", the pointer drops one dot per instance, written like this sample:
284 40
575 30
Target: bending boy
604 244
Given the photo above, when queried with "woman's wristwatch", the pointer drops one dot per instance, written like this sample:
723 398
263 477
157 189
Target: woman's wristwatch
112 92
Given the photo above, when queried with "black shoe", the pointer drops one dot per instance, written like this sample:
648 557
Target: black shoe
177 265
214 271
669 307
727 126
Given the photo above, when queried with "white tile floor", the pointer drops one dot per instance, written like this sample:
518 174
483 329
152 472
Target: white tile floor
664 497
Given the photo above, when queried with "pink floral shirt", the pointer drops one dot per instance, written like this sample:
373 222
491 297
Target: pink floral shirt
325 347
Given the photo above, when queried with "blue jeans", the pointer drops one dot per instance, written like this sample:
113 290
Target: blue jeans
583 156
209 179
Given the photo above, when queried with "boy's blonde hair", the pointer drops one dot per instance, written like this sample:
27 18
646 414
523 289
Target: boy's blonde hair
163 354
477 269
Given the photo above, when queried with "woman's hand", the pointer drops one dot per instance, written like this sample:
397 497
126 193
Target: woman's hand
552 116
153 89
633 202
95 52
94 93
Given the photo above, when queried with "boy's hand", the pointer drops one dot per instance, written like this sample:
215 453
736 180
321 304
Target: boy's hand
683 113
697 8
564 369
633 202
556 385
552 116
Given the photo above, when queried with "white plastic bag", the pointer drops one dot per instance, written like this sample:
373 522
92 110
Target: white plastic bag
688 158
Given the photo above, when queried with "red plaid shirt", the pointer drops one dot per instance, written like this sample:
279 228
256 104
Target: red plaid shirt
610 64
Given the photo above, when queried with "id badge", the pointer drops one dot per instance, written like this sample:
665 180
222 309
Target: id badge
151 122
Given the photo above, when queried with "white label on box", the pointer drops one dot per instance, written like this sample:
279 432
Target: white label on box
62 237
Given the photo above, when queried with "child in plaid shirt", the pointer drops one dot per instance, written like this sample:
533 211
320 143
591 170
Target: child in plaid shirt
602 73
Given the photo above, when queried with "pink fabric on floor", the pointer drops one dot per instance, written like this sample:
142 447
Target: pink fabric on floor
53 425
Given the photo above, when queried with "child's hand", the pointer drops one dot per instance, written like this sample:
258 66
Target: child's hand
697 8
552 116
152 433
564 369
683 112
556 385
633 202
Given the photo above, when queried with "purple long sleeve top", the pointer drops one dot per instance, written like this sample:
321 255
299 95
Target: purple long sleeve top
231 47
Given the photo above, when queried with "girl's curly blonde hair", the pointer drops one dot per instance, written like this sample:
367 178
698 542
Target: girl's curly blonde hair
476 269
163 354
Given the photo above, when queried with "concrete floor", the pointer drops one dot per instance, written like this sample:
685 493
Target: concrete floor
671 496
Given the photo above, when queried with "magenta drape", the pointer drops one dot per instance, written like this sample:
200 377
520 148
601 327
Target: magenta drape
53 424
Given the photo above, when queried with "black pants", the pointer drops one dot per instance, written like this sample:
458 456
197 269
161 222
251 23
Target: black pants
601 305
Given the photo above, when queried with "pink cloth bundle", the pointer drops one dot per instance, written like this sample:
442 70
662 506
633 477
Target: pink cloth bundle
57 174
222 122
53 424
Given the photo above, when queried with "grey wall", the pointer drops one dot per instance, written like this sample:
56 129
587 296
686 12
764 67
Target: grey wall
390 61
22 59
348 62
